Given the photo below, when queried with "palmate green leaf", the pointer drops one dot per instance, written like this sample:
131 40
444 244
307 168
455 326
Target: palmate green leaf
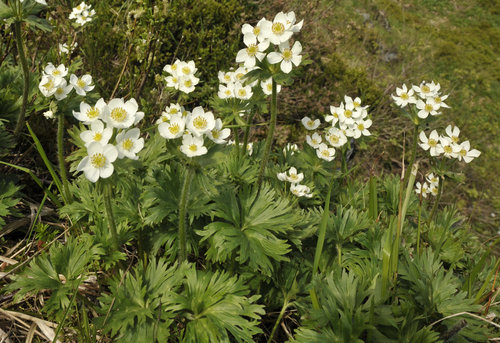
61 270
142 304
8 199
346 224
249 231
217 309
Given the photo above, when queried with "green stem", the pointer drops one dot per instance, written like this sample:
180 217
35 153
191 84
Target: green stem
344 160
339 253
321 240
60 157
247 131
418 225
413 154
26 74
108 191
270 134
188 176
434 207
278 321
237 142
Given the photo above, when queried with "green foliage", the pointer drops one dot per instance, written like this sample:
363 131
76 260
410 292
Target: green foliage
217 309
61 271
141 305
252 221
9 198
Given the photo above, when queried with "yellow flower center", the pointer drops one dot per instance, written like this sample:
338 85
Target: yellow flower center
228 92
164 119
463 152
98 137
425 89
80 83
242 92
215 134
293 176
49 85
361 127
428 107
173 110
56 72
239 76
227 77
193 147
334 139
186 70
252 50
174 67
314 141
60 91
175 80
278 28
256 30
127 144
432 142
310 123
356 104
98 160
200 123
447 149
118 114
174 129
348 113
188 83
454 139
405 96
437 100
92 113
287 55
325 153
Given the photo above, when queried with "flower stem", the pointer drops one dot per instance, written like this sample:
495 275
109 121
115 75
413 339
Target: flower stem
188 176
26 74
60 157
278 321
418 225
413 154
108 192
434 207
247 132
270 134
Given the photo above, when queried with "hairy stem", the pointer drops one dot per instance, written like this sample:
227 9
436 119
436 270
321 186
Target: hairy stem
278 321
60 157
108 191
413 154
188 176
247 131
26 74
418 225
270 134
434 207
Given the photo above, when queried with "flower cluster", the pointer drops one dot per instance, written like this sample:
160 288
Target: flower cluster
82 13
110 121
181 76
231 84
349 120
278 32
428 187
426 98
295 178
448 145
67 49
54 83
176 122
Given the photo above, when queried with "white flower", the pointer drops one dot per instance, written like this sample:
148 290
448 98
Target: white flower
286 56
62 90
226 77
226 91
48 85
84 17
59 71
82 84
267 86
422 189
426 90
314 140
121 114
98 163
453 133
431 143
186 68
97 133
253 51
65 49
173 68
293 177
336 137
174 128
129 143
404 96
291 148
466 154
257 32
432 179
218 135
242 92
279 30
187 83
334 118
325 153
249 148
347 114
282 176
448 148
426 108
300 190
48 114
310 124
361 128
89 113
200 122
437 101
193 146
291 21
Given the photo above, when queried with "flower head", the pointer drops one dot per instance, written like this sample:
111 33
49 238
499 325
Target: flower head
121 114
286 56
82 85
200 122
97 133
98 163
89 113
129 143
193 146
